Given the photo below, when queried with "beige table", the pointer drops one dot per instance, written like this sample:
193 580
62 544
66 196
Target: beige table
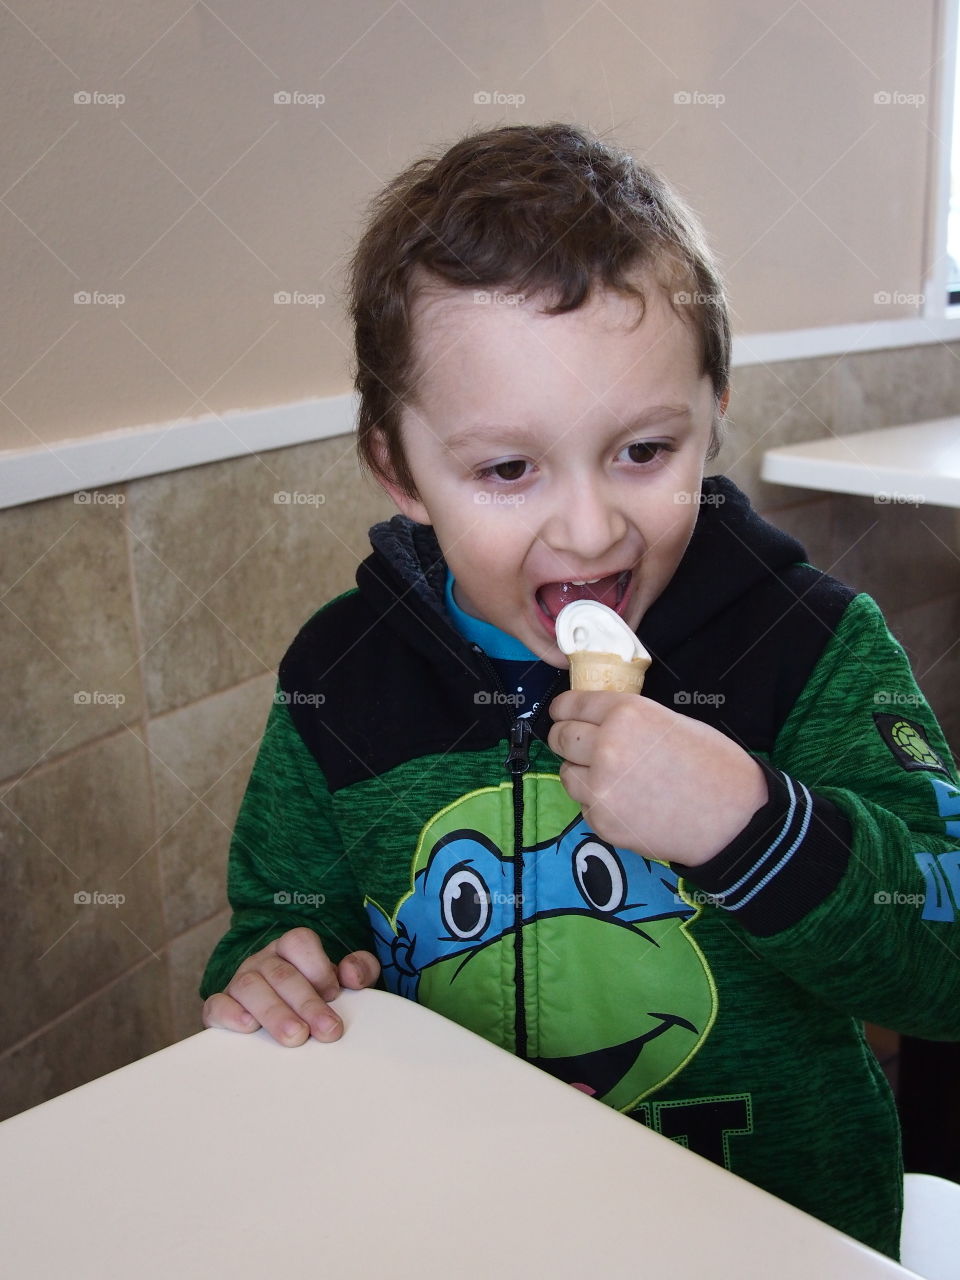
912 464
409 1148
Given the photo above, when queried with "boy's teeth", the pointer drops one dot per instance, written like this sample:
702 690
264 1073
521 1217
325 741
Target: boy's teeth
586 582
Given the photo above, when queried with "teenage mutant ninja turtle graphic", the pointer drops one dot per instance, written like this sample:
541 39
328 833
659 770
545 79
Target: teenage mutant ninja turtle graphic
579 959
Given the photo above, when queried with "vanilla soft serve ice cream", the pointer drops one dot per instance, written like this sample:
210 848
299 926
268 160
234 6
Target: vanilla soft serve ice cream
604 653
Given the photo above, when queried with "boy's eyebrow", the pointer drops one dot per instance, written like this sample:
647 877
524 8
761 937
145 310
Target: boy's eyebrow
483 431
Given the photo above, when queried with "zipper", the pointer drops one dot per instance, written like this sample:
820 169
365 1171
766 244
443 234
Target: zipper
520 738
517 763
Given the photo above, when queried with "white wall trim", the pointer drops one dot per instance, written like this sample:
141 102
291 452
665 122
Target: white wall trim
847 339
46 471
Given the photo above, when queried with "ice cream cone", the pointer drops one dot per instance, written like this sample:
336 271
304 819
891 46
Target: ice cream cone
606 671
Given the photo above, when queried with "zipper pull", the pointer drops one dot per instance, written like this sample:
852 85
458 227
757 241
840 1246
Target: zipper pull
518 761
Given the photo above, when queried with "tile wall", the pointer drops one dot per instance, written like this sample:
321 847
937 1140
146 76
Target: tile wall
141 633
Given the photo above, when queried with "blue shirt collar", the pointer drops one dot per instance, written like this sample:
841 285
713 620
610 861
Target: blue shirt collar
494 642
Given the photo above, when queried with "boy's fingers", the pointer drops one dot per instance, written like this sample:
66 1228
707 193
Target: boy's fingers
573 740
282 1000
221 1010
304 950
359 969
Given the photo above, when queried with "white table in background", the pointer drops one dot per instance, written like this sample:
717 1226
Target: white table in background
917 463
409 1148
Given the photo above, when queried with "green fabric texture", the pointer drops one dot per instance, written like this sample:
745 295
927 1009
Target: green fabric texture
786 1053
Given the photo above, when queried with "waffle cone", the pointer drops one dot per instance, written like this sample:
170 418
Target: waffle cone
606 671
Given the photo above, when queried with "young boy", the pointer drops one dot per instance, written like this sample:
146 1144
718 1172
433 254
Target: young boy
683 903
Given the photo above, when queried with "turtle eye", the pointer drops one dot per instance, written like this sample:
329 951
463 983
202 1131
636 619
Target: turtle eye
464 902
599 875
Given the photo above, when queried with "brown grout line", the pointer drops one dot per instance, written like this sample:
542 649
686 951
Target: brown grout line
138 648
214 693
38 769
44 766
199 924
79 1006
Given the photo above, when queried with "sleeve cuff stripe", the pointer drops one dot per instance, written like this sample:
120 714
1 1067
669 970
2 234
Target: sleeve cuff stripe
805 815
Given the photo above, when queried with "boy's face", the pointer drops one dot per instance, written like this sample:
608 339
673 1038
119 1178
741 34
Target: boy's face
556 456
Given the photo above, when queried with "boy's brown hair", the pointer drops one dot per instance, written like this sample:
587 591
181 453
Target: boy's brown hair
525 209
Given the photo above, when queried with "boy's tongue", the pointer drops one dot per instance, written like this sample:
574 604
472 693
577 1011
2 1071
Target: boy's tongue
552 596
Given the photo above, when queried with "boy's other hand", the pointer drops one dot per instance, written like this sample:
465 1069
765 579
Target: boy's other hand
653 780
286 988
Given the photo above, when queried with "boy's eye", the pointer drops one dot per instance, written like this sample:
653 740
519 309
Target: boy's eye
641 451
512 469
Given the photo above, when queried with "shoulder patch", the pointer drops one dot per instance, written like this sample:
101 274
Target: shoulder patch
906 740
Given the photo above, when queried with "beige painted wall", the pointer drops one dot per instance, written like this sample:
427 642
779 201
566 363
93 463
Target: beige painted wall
198 197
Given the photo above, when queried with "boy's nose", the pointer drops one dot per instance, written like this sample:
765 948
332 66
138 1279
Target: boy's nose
584 524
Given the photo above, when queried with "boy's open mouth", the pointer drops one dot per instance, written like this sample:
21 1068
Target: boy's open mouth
611 591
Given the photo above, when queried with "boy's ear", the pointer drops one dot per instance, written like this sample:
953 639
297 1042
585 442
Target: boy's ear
407 503
723 402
